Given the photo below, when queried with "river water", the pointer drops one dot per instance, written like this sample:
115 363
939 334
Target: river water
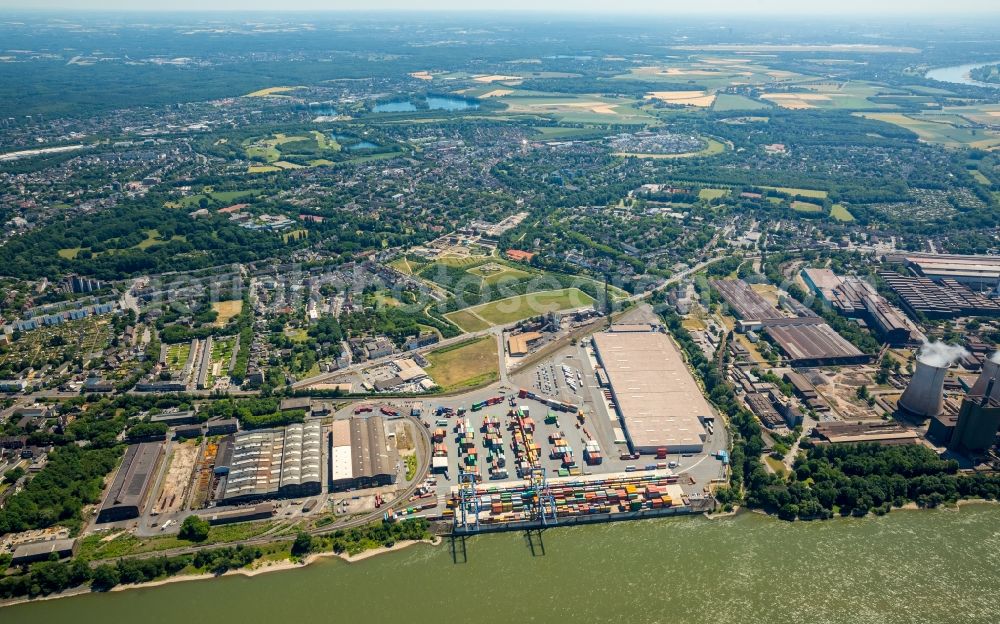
907 567
959 74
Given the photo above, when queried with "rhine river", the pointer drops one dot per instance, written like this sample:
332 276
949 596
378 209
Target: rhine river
909 567
959 74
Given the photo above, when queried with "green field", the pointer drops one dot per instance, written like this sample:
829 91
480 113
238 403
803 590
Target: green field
798 191
582 109
274 152
939 131
728 102
467 321
978 176
502 273
801 206
465 365
518 308
214 198
712 193
841 213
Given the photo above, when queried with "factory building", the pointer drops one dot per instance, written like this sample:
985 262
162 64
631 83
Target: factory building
981 272
274 463
42 551
658 401
922 296
857 299
805 340
132 483
360 454
887 433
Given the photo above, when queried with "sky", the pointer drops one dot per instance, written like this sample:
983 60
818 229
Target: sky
840 7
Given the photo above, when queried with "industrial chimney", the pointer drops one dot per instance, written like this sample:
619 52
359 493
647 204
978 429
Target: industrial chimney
924 397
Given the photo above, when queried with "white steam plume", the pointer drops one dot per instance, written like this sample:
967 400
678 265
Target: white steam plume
940 354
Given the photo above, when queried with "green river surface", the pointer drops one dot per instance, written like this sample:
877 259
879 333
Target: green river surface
910 566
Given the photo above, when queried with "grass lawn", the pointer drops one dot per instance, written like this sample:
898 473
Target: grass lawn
467 321
465 365
801 206
69 253
841 213
776 465
979 177
517 308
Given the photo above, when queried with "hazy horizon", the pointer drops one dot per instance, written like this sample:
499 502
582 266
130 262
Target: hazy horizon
903 8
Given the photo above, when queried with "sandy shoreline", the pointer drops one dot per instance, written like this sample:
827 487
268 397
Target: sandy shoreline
271 566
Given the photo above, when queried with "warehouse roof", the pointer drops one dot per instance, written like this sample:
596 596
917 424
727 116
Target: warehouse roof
265 461
745 302
134 475
659 401
360 449
817 342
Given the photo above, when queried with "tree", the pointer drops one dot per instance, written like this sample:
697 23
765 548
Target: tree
194 529
303 544
12 475
104 578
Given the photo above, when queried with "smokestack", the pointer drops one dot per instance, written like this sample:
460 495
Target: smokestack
924 397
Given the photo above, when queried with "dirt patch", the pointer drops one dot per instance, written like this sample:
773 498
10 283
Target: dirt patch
176 484
497 93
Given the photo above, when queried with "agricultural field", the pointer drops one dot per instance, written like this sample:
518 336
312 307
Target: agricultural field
517 308
814 193
832 96
840 212
272 91
585 109
940 132
227 310
712 73
465 365
729 102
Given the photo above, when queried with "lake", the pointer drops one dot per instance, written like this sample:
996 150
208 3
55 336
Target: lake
433 103
937 566
959 74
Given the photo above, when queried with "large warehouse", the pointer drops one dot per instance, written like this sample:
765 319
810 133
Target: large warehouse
658 401
131 486
360 454
275 463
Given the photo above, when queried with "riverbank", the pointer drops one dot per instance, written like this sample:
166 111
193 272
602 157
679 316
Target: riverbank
679 570
264 568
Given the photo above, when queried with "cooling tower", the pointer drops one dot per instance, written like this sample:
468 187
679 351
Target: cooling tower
924 397
991 370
